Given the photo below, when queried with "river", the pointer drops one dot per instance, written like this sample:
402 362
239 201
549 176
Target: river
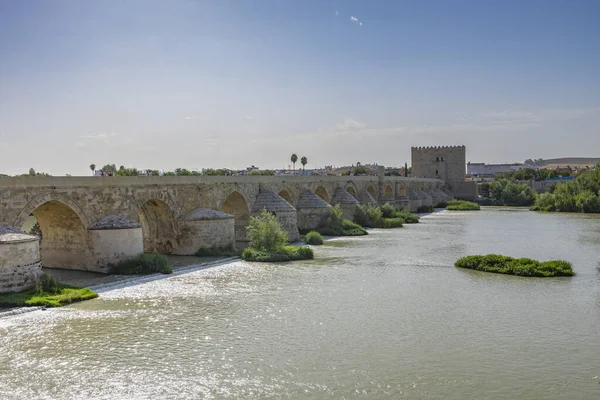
385 316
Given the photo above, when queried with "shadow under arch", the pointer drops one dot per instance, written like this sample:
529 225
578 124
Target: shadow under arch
388 192
159 227
236 205
64 241
372 191
322 193
287 197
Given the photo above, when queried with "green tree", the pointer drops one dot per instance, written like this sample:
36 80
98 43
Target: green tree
303 161
294 158
265 233
31 171
93 168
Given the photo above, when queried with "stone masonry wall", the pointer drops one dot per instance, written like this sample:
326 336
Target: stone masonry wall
205 234
109 246
19 266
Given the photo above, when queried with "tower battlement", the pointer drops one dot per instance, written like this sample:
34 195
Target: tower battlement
447 163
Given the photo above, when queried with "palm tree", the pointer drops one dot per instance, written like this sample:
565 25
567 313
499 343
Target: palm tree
303 161
93 168
294 159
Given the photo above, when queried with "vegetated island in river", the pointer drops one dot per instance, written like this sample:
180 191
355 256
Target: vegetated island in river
268 241
462 205
516 266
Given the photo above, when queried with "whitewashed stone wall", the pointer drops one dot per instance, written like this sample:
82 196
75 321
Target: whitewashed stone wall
109 246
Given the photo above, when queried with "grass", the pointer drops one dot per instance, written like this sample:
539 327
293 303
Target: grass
216 251
148 263
287 253
313 238
49 293
407 217
462 205
516 266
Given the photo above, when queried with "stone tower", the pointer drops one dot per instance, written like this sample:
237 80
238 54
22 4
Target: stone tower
447 163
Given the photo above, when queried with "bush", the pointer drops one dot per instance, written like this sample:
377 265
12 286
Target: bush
392 222
148 263
48 284
265 233
387 211
516 266
336 225
215 251
462 205
314 238
507 192
286 253
424 209
408 217
581 195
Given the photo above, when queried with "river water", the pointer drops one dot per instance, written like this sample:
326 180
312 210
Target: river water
384 316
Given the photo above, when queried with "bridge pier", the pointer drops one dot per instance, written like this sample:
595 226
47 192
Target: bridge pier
113 239
20 265
312 211
285 213
346 202
204 228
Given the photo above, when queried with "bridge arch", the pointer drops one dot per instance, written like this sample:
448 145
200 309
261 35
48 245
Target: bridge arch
48 197
400 189
372 189
322 193
287 196
63 227
237 205
388 192
352 189
159 228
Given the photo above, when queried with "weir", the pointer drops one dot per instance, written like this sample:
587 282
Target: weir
88 222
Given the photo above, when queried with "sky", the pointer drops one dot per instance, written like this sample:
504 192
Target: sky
209 84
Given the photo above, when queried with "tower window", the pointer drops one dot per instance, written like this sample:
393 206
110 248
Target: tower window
436 171
437 159
442 158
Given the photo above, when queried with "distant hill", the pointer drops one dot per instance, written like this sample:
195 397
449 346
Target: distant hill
572 161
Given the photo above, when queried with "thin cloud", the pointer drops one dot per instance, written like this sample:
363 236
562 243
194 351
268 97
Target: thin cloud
249 117
353 19
103 135
190 117
337 13
360 23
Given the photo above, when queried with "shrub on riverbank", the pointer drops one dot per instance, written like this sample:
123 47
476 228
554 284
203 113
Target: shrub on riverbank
425 209
48 292
313 238
147 263
516 266
336 225
286 253
462 205
506 192
407 217
581 195
216 252
268 241
370 216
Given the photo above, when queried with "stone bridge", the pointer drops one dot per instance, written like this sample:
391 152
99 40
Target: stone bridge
89 222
